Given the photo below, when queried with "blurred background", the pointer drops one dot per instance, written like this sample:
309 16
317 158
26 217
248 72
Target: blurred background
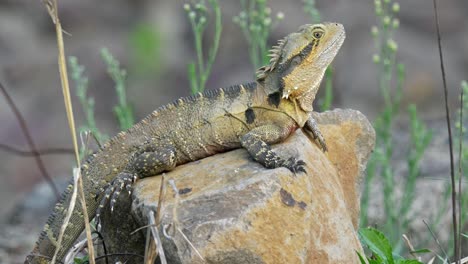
154 42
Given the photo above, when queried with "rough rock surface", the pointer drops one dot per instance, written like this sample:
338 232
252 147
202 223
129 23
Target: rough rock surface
233 210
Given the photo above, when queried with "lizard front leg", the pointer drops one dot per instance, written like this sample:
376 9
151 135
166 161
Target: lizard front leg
311 129
147 162
257 141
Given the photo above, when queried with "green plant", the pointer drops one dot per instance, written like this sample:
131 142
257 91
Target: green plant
381 249
87 103
312 11
464 157
122 110
462 176
83 260
200 70
145 47
256 24
380 163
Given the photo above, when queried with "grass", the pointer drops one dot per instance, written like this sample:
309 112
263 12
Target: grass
256 24
87 103
380 165
199 70
122 110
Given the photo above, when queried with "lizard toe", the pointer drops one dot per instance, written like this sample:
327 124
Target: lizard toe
295 165
103 202
113 191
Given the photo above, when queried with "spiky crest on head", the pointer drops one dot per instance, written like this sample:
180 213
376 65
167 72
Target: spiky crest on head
299 61
274 53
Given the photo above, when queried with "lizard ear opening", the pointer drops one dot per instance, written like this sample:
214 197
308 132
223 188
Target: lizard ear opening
275 55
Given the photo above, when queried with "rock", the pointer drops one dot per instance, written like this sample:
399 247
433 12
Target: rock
233 210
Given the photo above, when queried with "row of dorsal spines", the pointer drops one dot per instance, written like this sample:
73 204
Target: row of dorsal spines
275 55
207 94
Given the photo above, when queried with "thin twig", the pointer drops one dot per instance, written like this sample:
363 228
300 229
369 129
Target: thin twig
158 210
449 128
104 247
29 140
460 175
160 200
150 249
40 152
140 228
119 254
436 239
157 239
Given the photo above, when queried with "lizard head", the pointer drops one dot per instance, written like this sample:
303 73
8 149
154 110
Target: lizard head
299 61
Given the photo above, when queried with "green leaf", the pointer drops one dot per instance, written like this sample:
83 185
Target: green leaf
83 260
408 261
377 243
363 261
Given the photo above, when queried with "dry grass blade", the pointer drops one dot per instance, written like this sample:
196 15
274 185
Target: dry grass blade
449 128
157 238
150 249
86 221
70 209
70 257
29 139
190 243
162 190
52 8
461 261
436 239
411 247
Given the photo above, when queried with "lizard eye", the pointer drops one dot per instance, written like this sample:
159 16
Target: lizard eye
318 34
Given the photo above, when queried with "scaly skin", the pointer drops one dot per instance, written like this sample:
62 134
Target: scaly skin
252 116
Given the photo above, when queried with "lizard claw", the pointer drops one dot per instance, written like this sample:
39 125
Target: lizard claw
295 165
112 192
311 129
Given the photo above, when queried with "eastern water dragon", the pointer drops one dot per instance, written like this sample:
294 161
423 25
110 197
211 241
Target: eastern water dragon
252 116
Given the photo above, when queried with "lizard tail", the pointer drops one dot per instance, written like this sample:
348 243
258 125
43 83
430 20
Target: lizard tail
47 243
